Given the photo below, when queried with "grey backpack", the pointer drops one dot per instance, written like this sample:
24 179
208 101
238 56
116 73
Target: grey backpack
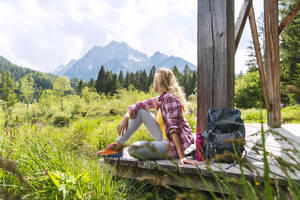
224 137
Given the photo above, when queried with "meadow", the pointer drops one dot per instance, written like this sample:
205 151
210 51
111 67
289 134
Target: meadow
48 148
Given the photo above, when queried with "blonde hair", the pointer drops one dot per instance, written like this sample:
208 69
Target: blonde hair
167 81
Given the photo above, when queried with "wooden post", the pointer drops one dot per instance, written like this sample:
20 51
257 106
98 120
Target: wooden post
272 61
289 17
259 57
215 56
241 21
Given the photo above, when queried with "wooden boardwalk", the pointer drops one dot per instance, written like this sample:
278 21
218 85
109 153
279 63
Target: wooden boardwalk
168 172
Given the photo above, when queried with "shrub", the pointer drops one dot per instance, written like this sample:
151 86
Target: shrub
248 91
61 120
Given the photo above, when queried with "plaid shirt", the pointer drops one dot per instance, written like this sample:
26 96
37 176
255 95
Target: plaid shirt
171 110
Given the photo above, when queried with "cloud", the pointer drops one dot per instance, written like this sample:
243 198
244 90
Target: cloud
44 34
32 36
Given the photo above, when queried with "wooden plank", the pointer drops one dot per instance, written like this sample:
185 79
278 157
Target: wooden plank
147 164
222 168
240 22
273 143
192 181
272 62
258 56
127 160
190 169
289 17
167 165
111 161
275 172
272 155
215 50
277 141
162 178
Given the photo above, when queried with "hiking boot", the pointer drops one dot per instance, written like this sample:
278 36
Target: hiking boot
111 151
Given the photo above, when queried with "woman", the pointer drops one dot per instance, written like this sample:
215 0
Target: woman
169 128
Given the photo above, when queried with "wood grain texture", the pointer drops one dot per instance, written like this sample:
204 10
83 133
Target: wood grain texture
289 17
241 21
205 47
167 165
215 49
147 164
272 61
258 56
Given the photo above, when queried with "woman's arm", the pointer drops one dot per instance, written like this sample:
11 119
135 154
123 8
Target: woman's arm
124 123
177 141
147 104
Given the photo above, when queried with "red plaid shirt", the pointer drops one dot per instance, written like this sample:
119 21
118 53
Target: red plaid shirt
171 110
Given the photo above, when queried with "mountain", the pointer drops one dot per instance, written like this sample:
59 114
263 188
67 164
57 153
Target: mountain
117 56
61 69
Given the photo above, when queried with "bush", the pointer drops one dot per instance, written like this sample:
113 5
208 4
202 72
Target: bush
248 91
61 120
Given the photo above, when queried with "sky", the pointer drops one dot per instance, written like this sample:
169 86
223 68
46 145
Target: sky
41 34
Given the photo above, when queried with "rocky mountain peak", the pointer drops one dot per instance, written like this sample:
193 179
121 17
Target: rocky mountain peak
117 56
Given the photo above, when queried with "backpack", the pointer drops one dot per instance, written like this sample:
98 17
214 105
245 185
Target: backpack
224 136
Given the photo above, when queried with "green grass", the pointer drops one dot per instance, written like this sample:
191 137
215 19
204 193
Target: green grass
289 115
57 164
49 153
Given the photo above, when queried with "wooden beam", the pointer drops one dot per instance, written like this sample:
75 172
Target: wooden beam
289 17
240 22
258 56
215 49
272 61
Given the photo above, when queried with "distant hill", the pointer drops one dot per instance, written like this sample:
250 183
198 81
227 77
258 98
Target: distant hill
16 71
41 80
117 56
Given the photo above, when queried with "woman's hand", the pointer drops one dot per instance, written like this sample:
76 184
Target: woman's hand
123 126
188 161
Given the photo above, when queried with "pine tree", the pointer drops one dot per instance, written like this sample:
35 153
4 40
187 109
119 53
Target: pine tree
176 73
151 77
126 82
136 80
132 80
110 83
185 80
192 83
121 78
80 86
100 87
289 52
74 83
91 84
143 81
114 84
7 90
251 62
